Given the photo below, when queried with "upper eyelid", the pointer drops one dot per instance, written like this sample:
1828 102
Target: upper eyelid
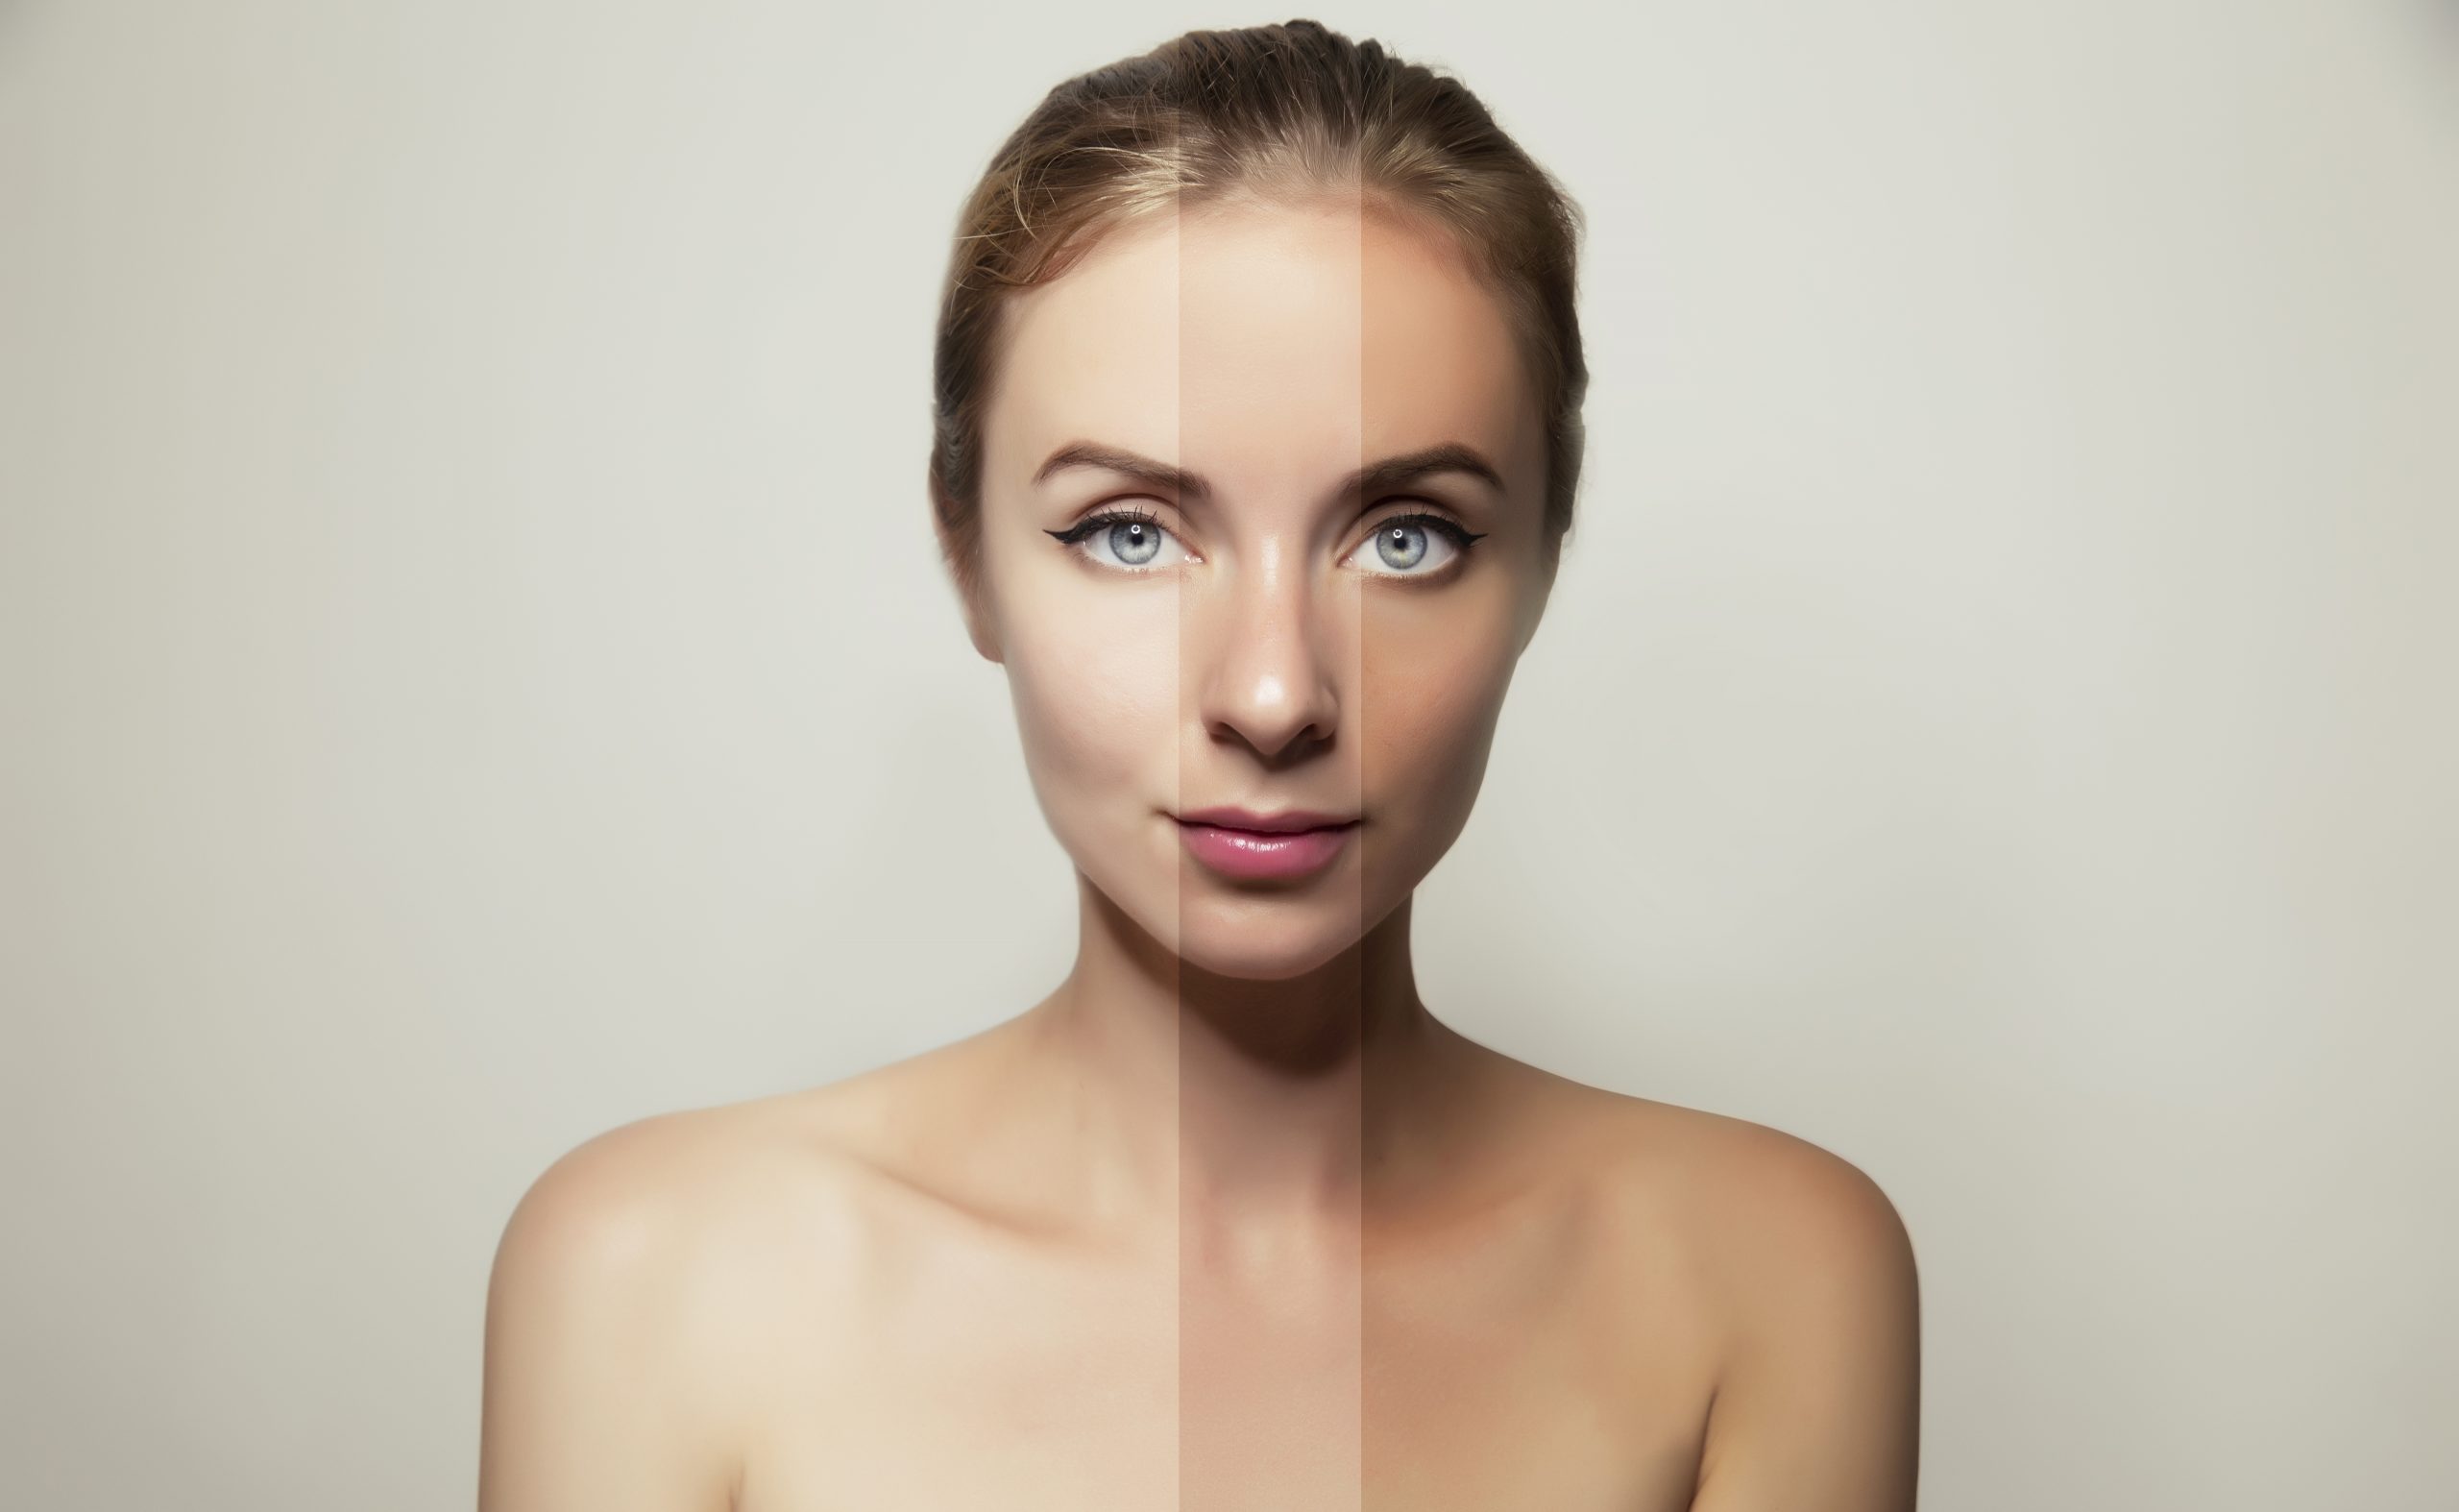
1461 536
1113 507
1425 509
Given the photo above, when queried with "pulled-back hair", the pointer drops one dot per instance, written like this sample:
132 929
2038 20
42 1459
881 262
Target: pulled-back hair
1266 113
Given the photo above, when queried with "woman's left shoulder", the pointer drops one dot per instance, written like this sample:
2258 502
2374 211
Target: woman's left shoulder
1780 1226
1777 1181
1774 1273
1747 1202
1801 1272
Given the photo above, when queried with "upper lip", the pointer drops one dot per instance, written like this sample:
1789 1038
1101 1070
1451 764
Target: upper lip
1280 823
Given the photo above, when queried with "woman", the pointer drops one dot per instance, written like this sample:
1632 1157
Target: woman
1258 385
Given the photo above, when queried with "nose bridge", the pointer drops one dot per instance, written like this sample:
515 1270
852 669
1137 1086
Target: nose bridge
1264 660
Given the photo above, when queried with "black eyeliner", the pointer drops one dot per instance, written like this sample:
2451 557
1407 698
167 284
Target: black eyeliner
1452 530
1082 530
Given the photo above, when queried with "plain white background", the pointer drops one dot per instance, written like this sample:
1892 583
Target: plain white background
474 673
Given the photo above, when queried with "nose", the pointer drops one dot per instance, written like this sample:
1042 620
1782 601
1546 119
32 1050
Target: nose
1261 659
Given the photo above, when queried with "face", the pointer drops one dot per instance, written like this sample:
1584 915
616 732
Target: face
1262 529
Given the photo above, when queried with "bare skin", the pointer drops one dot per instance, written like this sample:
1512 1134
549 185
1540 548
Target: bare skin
1229 1220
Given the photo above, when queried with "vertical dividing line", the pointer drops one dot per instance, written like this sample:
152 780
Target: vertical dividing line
1356 716
1189 722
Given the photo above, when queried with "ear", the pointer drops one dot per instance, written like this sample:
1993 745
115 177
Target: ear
1552 563
971 595
977 627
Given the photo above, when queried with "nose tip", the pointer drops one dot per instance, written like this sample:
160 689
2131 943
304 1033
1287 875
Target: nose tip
1266 675
1268 715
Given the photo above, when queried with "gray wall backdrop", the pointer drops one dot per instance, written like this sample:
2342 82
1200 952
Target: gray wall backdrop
474 673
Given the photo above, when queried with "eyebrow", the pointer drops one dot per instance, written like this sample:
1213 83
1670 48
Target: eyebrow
1375 477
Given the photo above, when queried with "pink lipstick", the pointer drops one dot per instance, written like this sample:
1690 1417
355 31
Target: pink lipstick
1238 842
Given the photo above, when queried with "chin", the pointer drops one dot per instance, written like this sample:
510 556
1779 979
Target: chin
1255 946
1254 933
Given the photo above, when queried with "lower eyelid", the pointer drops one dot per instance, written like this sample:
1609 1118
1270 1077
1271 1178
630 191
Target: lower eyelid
1089 528
1458 536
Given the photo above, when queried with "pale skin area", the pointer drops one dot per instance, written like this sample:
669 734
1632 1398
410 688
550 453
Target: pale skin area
1229 1220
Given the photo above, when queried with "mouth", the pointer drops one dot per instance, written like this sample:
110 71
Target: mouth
1264 847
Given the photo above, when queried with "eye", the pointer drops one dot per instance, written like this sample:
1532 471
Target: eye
1122 540
1415 545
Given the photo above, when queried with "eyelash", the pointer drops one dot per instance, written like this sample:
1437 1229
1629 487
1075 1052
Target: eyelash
1462 538
1084 529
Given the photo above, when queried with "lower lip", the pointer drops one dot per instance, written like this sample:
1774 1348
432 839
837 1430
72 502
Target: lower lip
1254 854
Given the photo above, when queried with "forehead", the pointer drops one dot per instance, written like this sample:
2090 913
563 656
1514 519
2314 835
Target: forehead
1265 345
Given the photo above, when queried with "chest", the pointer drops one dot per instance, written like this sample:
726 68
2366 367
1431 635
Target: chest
1479 1381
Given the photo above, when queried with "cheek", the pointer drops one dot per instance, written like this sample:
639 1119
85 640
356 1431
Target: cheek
1434 692
1095 685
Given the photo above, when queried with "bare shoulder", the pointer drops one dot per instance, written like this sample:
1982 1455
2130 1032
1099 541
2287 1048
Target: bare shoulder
680 1215
651 1194
1807 1272
1754 1201
1775 1207
638 1291
644 1200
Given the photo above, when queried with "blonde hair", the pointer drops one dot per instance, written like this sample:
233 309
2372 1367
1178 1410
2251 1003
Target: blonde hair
1259 111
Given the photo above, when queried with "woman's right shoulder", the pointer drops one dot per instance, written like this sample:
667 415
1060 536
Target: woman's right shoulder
638 1291
655 1191
818 1194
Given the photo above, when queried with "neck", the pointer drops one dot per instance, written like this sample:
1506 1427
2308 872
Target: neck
1220 1100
